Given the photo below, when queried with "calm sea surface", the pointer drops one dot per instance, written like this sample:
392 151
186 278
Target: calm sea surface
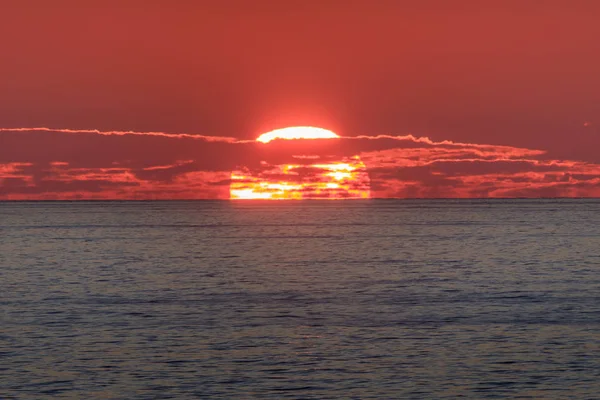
300 300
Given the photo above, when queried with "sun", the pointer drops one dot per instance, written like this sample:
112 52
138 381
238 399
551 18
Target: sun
305 176
297 132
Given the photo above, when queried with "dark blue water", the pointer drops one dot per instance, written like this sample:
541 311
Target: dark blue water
302 300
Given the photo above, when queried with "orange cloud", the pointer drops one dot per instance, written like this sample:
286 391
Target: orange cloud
44 163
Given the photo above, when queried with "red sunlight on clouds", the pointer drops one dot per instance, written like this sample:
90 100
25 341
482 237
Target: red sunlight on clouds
123 133
334 181
343 179
69 164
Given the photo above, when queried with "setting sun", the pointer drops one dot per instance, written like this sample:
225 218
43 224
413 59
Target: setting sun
345 178
297 132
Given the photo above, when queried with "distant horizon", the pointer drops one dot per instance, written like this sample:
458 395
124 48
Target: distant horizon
268 201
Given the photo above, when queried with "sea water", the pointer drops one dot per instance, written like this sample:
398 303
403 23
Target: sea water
374 299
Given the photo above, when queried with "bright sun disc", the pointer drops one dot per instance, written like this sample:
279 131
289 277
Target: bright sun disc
342 178
297 132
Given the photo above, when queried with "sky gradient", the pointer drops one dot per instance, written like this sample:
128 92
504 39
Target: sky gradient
163 99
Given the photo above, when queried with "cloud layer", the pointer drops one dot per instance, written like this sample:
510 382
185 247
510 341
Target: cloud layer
44 163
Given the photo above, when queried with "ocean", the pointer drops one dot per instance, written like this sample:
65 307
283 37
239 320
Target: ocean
361 299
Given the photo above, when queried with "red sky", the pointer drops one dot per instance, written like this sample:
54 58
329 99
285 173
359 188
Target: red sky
508 93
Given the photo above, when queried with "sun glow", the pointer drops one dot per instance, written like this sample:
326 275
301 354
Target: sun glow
297 132
307 178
